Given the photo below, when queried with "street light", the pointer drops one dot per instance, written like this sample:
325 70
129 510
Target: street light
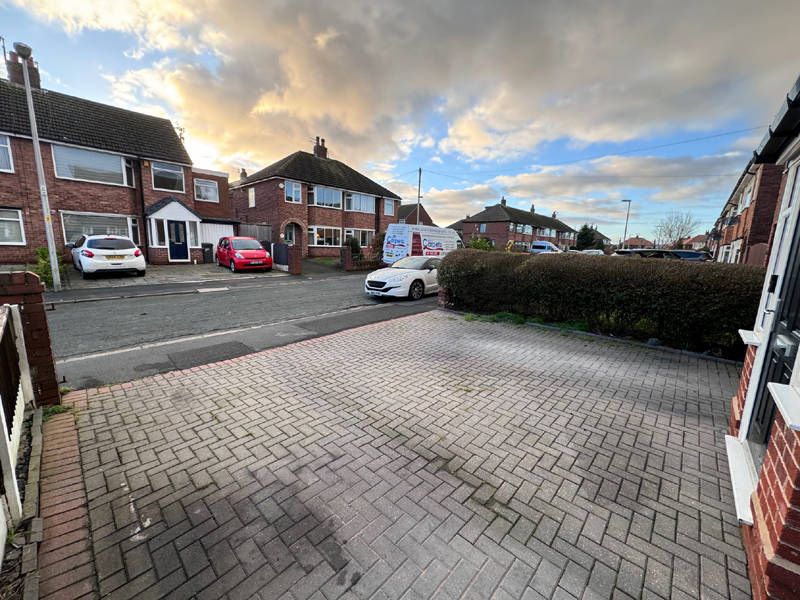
627 215
24 52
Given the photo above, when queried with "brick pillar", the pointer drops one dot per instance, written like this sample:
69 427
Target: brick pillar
25 289
347 258
295 260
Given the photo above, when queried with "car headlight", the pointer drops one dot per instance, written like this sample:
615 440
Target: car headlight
267 253
239 255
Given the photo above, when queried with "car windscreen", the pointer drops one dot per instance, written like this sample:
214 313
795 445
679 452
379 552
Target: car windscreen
411 262
110 244
246 245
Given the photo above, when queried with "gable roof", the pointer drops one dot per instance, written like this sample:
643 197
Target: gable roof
637 240
72 120
165 201
406 209
508 214
305 167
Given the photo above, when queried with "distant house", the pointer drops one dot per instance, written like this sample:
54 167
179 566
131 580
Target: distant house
458 226
697 242
408 214
636 242
501 223
315 201
108 171
599 237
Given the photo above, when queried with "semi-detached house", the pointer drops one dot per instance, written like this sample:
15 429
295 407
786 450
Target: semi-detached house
315 202
108 171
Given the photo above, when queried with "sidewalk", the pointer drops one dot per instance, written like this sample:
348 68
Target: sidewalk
489 461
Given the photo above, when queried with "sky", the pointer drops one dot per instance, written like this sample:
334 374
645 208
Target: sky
567 106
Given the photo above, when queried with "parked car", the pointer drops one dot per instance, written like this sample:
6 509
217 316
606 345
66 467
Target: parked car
690 255
240 253
544 248
593 252
410 277
106 253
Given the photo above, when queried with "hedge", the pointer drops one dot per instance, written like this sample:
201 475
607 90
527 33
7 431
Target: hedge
686 305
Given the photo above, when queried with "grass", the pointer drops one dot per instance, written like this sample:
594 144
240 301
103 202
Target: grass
64 390
328 261
509 317
57 409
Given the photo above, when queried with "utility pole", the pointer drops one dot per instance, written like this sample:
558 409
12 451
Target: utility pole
419 192
24 52
627 214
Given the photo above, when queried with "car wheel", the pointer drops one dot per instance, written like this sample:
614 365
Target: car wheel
219 264
416 291
85 275
140 273
233 267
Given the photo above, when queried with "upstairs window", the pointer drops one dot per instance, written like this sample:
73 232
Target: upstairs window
388 207
12 231
251 197
293 192
359 202
206 190
167 177
88 165
6 164
324 196
482 228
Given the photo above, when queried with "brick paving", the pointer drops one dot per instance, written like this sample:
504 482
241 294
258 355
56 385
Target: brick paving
425 457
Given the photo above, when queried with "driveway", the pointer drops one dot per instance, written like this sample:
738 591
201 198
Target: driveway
424 457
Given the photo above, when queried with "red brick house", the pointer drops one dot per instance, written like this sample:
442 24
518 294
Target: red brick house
408 214
501 223
763 445
315 201
637 243
107 170
745 224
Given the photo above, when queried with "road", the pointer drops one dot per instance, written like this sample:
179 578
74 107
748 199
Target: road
101 338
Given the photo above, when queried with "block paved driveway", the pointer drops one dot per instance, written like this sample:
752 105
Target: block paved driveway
422 457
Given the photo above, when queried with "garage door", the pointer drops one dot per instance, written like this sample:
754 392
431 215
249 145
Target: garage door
211 232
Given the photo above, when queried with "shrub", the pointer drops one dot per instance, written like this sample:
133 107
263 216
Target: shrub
355 246
42 267
479 243
692 306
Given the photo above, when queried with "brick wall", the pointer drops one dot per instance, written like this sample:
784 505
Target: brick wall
213 210
25 289
737 402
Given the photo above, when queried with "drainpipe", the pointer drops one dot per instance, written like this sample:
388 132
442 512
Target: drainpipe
145 226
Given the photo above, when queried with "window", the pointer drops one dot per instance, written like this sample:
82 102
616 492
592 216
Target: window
159 237
6 164
324 236
135 230
520 227
293 192
206 190
364 236
388 207
402 221
482 228
251 197
12 231
167 177
79 224
88 165
745 201
110 244
191 227
528 230
511 227
324 196
359 202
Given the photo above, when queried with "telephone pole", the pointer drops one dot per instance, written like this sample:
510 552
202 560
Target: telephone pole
419 192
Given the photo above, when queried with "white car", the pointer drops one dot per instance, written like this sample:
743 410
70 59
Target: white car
95 253
410 277
544 248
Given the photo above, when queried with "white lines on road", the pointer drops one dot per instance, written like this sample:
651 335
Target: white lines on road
216 289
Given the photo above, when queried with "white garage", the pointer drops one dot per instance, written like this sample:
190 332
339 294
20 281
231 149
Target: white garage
211 231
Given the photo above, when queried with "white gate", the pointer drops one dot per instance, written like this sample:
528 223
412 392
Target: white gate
16 391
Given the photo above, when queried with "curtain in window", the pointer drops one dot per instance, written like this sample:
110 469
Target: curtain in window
76 163
76 225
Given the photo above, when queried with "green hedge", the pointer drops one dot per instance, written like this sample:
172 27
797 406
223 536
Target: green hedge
692 306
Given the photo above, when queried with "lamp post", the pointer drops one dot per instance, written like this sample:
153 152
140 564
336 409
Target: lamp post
627 215
24 52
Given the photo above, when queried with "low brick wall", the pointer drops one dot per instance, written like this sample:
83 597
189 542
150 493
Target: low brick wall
295 260
366 262
25 289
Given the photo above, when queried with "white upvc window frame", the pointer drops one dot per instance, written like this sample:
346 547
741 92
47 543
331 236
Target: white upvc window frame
388 202
314 228
126 162
7 146
316 189
130 219
153 225
21 227
189 225
206 181
153 167
251 197
297 187
353 231
361 196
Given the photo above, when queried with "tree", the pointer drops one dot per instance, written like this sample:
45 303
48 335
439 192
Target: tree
586 237
674 227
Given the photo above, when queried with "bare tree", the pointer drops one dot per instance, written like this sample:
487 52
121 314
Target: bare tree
674 227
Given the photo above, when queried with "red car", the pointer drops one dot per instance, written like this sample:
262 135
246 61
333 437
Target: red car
242 254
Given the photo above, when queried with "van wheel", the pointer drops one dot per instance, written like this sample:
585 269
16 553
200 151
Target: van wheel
416 291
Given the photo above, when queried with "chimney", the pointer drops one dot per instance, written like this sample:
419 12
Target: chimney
503 201
242 174
533 209
554 214
319 148
14 68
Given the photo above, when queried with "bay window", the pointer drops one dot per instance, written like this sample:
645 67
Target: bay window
324 196
206 190
324 236
167 177
6 162
359 202
292 192
77 224
92 166
12 231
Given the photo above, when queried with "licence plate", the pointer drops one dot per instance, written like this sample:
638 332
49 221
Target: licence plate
372 293
115 257
256 262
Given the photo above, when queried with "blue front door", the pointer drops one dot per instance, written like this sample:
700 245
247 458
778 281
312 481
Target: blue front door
178 247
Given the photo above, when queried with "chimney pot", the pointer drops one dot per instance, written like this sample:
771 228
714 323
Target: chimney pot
319 148
242 174
533 209
503 201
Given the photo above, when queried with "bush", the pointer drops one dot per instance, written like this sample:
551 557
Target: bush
685 305
42 267
355 247
479 243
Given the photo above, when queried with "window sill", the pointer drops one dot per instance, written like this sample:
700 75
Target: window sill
20 244
788 402
750 338
122 185
6 171
322 206
743 477
208 201
363 212
155 189
293 202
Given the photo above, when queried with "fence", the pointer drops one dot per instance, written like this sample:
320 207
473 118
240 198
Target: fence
16 391
263 233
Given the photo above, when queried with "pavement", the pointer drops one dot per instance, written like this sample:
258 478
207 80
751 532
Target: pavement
422 457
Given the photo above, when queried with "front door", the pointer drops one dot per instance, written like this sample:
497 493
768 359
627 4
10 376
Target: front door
178 246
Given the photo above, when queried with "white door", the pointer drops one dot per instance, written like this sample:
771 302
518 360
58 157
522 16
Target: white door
211 232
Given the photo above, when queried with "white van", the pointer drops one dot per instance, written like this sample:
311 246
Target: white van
542 247
418 240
